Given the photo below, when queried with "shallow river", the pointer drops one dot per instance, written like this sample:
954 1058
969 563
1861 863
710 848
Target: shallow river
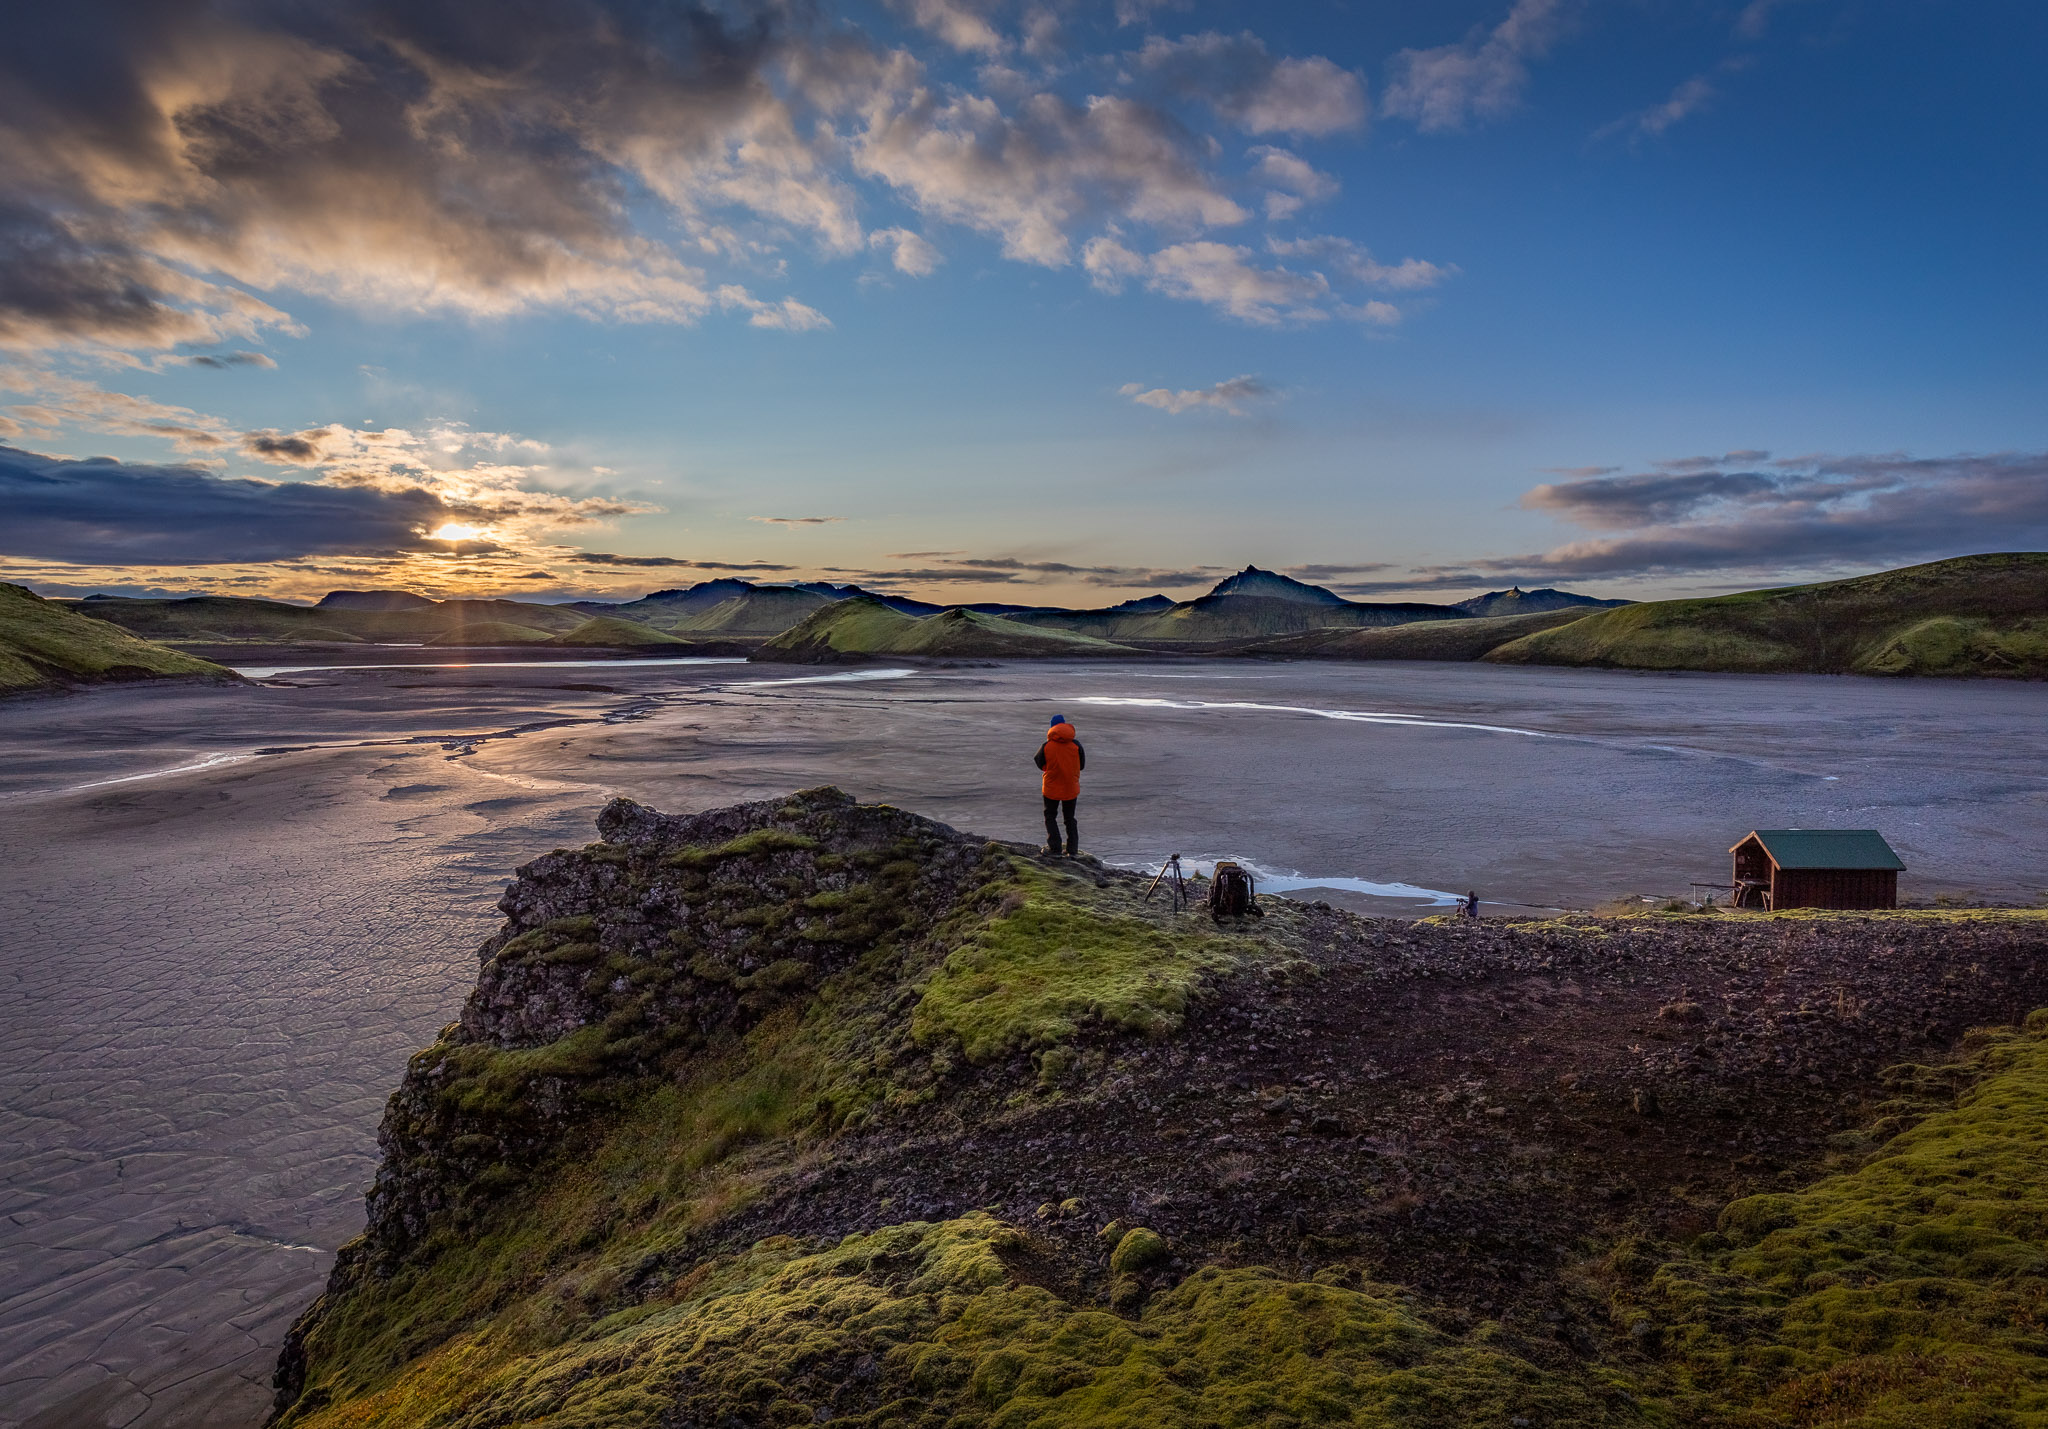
232 913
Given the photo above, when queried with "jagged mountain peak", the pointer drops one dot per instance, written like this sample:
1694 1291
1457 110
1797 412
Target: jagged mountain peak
1271 585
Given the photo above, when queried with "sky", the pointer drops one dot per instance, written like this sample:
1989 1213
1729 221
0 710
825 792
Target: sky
1030 300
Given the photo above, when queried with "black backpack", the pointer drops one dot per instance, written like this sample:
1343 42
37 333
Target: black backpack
1231 892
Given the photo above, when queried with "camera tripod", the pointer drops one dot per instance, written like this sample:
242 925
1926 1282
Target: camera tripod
1178 888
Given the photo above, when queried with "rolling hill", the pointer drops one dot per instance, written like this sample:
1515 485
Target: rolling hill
1420 640
1529 602
492 632
862 628
1974 615
359 616
763 611
45 645
372 600
1254 604
602 632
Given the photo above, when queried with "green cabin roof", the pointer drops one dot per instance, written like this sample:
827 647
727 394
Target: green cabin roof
1825 848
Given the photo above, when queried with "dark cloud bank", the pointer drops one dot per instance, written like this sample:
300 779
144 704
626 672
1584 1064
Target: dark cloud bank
111 513
1744 515
1708 515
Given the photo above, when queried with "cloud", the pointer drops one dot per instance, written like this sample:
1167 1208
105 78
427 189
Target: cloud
1227 277
105 512
1014 570
224 360
796 520
789 315
1429 578
963 24
1294 182
1233 395
294 448
1327 573
606 158
1803 513
428 156
1137 12
1755 18
606 558
61 401
1028 177
69 279
909 252
1236 76
1353 261
1479 78
1219 274
1687 99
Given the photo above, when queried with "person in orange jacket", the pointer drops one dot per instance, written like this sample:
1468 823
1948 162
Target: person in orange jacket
1062 759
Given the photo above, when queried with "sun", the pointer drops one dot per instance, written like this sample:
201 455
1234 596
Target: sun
455 531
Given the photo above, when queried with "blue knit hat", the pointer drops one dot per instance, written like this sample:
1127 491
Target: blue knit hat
1057 719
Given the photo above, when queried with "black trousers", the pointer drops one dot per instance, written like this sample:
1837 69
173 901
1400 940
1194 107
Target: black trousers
1054 809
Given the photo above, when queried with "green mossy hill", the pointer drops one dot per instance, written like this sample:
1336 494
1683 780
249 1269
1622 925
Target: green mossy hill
45 645
1469 639
1911 1290
671 1022
813 1111
1975 615
764 610
605 632
864 628
492 632
237 620
927 1324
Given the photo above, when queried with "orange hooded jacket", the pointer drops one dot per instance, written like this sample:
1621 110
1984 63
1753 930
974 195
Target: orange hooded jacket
1062 760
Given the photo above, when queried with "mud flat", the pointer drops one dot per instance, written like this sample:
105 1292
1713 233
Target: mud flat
234 913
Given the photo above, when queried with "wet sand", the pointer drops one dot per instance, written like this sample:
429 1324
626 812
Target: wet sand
213 977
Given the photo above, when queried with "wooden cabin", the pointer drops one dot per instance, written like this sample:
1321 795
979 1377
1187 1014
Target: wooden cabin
1816 868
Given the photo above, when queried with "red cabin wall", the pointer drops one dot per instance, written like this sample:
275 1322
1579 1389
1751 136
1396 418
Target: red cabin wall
1835 888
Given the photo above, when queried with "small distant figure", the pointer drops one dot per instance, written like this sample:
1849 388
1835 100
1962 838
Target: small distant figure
1469 908
1062 759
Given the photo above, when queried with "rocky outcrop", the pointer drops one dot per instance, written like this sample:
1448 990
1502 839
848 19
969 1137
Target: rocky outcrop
810 1110
619 959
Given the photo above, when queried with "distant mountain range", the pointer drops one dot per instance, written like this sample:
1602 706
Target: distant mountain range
1974 615
1253 604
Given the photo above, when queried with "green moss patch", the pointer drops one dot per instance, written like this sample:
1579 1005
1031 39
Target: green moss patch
757 844
1910 1291
923 1324
1057 958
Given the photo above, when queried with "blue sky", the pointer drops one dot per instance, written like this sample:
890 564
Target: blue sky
987 300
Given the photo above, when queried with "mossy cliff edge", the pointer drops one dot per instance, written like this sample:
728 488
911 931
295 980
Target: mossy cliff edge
810 1111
